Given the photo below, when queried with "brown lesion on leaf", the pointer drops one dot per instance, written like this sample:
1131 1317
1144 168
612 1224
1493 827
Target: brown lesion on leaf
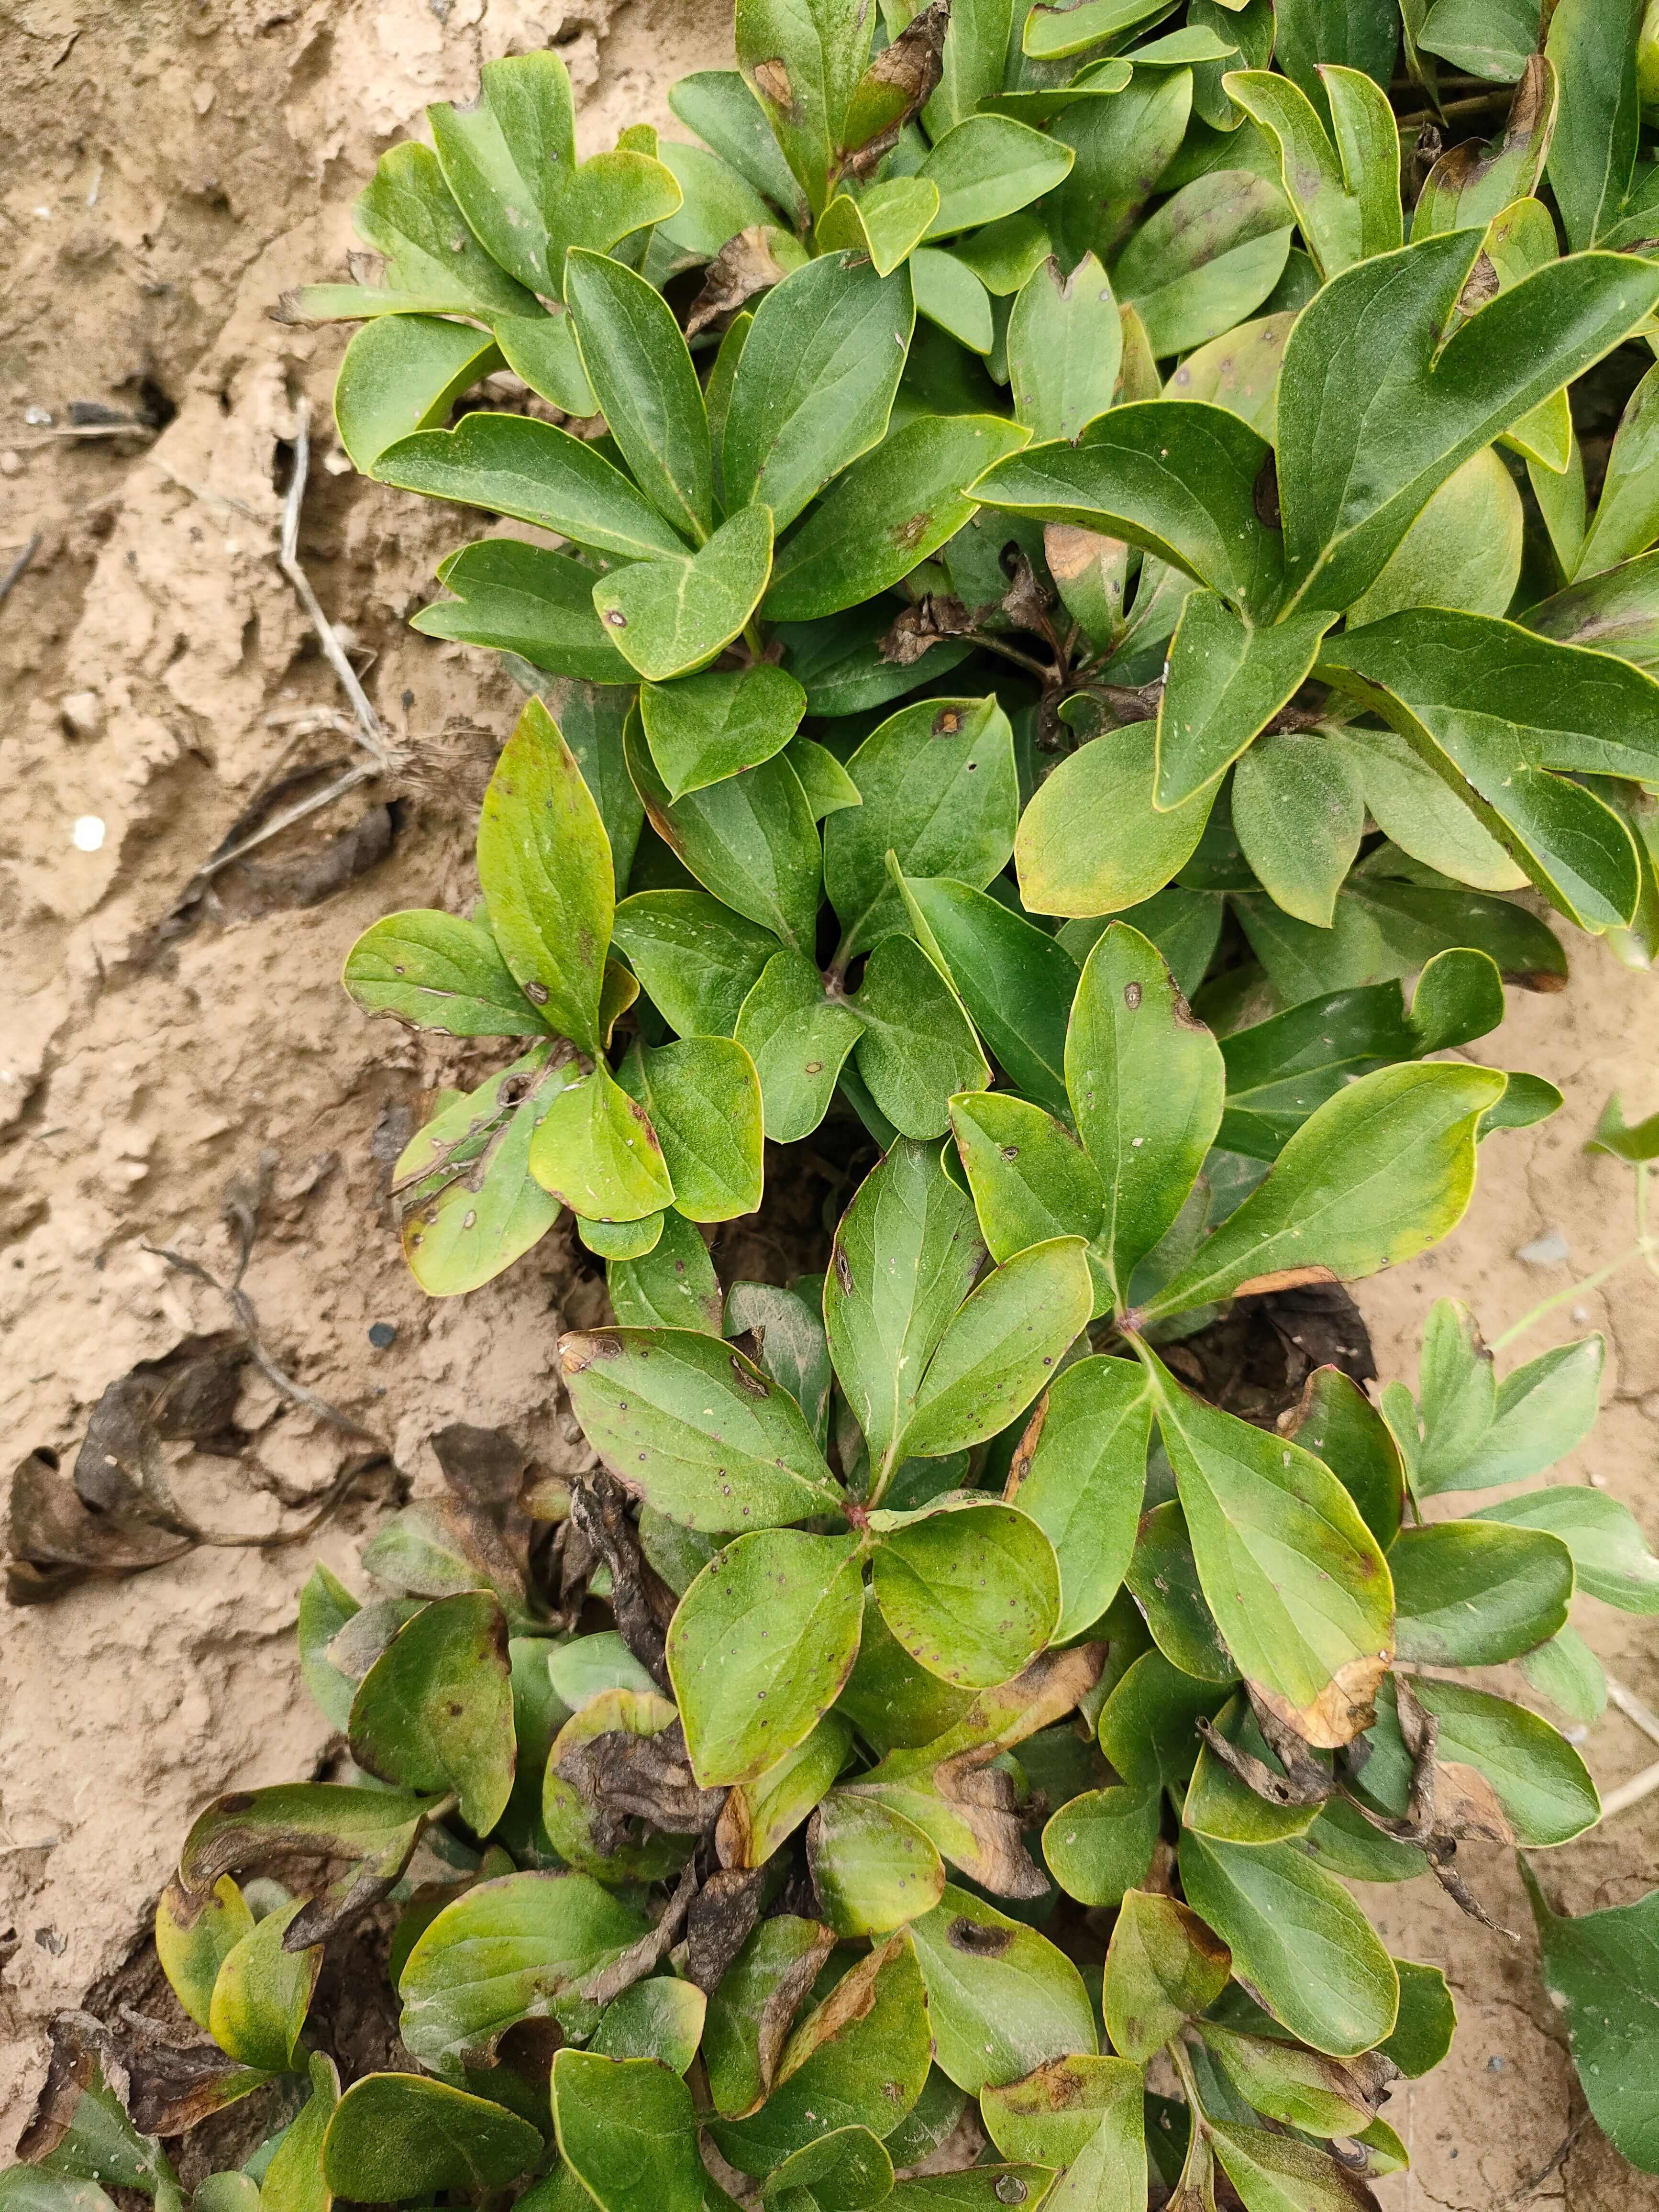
580 1347
1025 1450
1283 1279
1344 1709
745 265
772 80
977 1940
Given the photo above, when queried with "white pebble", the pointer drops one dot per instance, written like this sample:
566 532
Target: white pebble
87 834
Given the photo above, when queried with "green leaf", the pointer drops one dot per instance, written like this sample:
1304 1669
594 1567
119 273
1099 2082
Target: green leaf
695 957
799 1035
1541 1783
195 1935
893 1702
1163 1966
27 2189
858 2059
998 1349
974 2189
1218 1804
1359 34
1205 260
752 841
435 1710
1175 477
1091 842
750 2010
1599 1969
1293 1576
545 864
439 972
377 1828
1029 1177
1594 150
596 1152
1423 2030
520 598
971 1591
514 465
706 727
1567 1674
803 64
1299 809
1367 364
1146 1083
399 2135
940 792
1055 28
1147 1723
627 2128
906 1255
621 1240
471 1207
667 618
1388 926
1081 2113
1079 1472
639 369
815 381
1462 551
402 373
844 2172
1016 982
1493 709
661 2018
1297 1938
1467 1600
721 108
828 786
1163 1578
1101 1844
612 197
1001 1998
1381 1171
1273 2172
294 2181
1634 1143
1610 1555
918 1047
889 512
950 295
1065 339
1347 203
1226 680
1338 1423
987 166
885 222
704 1102
542 351
694 1429
1124 141
410 217
872 1870
506 1950
508 157
760 1647
263 1993
1626 518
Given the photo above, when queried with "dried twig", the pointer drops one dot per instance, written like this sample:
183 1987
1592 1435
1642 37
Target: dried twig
19 567
369 732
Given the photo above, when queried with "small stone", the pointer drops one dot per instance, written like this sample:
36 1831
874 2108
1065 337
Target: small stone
83 712
11 463
382 1334
1545 1251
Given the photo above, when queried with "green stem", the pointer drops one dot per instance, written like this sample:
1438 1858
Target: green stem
1640 1250
752 638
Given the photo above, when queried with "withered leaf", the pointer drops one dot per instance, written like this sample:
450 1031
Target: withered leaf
644 1957
173 2088
626 1777
934 616
483 1466
901 80
722 1914
745 265
642 1601
56 1541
